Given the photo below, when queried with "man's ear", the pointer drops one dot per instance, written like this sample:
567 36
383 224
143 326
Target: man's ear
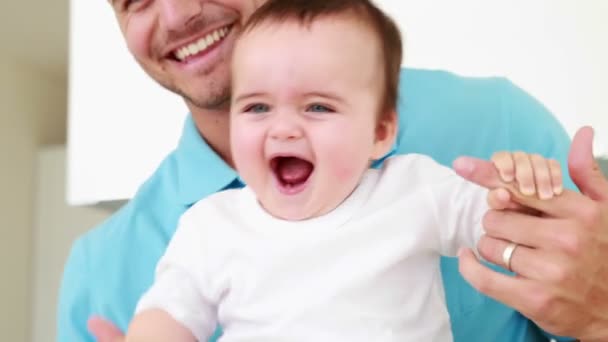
386 133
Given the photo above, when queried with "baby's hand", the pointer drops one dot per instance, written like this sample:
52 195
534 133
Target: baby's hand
531 174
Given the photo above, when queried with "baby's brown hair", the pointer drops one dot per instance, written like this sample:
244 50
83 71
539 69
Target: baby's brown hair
306 11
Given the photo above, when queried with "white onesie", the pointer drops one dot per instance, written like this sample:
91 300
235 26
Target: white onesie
367 271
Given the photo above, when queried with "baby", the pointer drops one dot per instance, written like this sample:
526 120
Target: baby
319 246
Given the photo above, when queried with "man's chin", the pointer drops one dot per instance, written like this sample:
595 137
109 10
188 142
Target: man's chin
215 102
212 99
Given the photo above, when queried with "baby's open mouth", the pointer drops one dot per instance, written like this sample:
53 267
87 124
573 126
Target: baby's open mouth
291 172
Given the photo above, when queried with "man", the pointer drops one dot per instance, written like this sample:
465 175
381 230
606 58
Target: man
185 45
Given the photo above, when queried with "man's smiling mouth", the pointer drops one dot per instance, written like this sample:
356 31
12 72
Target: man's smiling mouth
202 44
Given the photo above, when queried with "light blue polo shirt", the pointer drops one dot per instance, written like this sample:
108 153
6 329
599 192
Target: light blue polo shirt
440 114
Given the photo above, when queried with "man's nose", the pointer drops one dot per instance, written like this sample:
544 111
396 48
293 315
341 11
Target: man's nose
177 14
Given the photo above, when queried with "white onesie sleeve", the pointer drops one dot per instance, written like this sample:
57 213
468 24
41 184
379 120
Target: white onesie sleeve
459 207
180 280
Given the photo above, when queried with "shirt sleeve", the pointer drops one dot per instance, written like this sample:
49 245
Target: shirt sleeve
459 207
74 302
181 287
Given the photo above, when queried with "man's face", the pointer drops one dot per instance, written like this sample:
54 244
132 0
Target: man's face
185 45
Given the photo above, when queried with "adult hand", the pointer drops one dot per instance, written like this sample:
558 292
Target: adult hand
561 260
104 330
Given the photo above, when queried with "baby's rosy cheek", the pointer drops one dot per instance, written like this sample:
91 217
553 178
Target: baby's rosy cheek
244 139
341 163
246 153
345 170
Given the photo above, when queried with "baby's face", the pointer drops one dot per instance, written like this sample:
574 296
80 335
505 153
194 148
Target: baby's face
304 113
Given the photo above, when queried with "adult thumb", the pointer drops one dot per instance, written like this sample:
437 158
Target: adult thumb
584 169
104 330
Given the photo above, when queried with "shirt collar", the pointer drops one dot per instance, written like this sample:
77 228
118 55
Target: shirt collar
201 170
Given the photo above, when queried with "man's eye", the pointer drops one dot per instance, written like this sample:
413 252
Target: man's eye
257 108
131 4
319 108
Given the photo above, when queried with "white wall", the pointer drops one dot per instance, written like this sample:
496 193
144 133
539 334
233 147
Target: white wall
121 122
56 225
25 95
555 49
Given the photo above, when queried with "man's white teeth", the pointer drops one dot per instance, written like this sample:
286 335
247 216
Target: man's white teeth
202 44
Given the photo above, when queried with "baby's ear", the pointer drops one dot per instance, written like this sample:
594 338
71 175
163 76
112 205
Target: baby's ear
386 133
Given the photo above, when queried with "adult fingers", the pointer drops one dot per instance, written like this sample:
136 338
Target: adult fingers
584 170
524 229
512 291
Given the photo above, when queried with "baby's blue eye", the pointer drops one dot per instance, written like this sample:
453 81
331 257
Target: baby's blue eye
257 108
318 108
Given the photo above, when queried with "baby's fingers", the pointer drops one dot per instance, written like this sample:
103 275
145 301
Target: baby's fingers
503 161
555 170
524 173
542 176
